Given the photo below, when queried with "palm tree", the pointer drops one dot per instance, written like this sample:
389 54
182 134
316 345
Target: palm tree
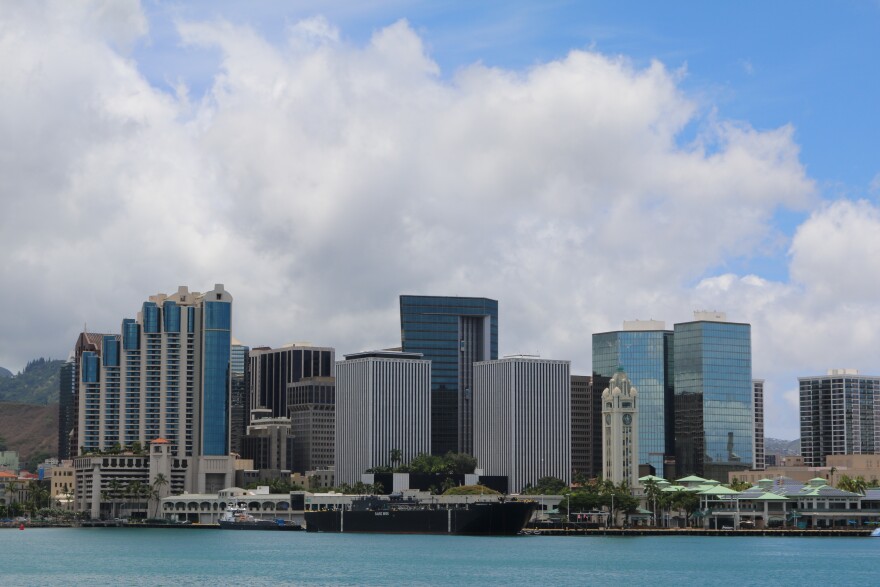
135 489
115 490
652 495
156 489
396 457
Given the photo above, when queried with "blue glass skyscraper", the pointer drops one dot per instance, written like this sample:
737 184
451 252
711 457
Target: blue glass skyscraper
166 376
454 333
714 413
644 351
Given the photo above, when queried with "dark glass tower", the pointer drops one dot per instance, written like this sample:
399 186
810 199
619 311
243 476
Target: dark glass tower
272 371
239 402
714 421
454 333
66 407
644 351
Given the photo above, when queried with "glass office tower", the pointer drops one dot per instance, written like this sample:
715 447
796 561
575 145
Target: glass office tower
714 420
454 333
644 351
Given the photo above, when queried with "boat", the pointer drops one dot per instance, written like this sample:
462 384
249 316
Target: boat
396 515
236 517
875 533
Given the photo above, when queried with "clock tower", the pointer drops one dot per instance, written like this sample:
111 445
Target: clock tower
620 430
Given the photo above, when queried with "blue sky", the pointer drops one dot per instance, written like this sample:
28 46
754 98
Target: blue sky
812 65
584 163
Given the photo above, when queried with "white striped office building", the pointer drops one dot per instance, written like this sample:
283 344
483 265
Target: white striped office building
522 419
383 402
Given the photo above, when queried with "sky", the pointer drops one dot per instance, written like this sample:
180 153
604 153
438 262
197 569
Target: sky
584 163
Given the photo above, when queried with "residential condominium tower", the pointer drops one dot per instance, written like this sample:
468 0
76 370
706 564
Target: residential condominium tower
644 350
840 415
758 451
522 419
453 333
166 376
714 406
383 408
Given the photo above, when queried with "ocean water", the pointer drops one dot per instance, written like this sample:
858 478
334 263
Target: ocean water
120 556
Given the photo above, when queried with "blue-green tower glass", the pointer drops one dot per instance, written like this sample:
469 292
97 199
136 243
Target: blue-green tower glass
646 357
714 421
454 333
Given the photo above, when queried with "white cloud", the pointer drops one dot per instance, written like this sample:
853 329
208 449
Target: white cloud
874 186
319 180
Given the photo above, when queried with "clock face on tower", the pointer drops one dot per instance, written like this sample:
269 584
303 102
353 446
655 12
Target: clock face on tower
627 419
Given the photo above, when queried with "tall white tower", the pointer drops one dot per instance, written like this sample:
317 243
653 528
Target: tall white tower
620 425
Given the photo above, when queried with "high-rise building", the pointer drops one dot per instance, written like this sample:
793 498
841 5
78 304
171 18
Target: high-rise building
840 415
714 419
167 376
239 401
758 402
522 418
269 443
312 406
643 349
586 428
453 333
273 370
86 341
620 425
383 410
66 407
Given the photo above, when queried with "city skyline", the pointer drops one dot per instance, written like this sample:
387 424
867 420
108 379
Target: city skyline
582 164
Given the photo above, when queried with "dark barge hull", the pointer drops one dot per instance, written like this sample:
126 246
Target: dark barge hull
480 519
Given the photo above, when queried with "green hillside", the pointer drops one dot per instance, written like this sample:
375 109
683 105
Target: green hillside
37 384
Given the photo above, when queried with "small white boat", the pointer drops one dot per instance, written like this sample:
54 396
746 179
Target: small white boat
875 533
236 517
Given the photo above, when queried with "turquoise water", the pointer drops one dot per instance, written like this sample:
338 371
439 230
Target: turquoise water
119 556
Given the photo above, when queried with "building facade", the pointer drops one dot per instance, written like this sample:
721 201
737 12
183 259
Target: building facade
273 370
522 419
86 341
312 406
758 402
644 349
239 401
383 405
620 430
586 426
714 419
167 375
840 415
269 444
66 407
453 333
